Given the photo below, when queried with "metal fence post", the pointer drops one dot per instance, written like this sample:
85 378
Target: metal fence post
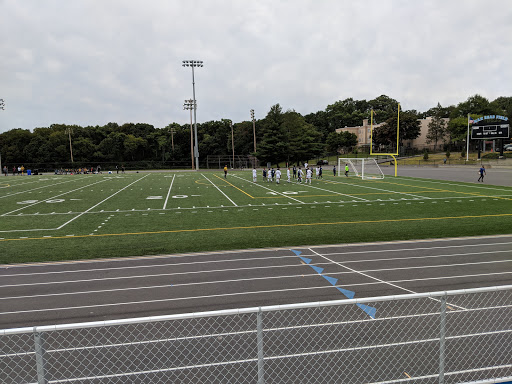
259 336
40 358
442 336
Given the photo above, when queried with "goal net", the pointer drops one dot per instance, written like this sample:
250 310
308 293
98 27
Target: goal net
367 169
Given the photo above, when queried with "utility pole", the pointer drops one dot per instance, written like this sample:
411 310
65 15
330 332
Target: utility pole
2 107
232 142
69 131
173 131
253 128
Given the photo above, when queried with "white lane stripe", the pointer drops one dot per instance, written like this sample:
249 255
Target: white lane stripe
53 197
169 192
466 185
219 190
377 279
272 190
261 293
173 265
94 206
379 189
199 282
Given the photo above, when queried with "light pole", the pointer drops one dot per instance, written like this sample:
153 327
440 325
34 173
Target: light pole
253 128
190 104
193 64
173 131
2 107
69 131
232 142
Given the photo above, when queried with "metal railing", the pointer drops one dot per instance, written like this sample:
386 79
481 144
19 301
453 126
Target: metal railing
462 336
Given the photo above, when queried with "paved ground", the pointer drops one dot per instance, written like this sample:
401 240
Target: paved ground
469 174
57 293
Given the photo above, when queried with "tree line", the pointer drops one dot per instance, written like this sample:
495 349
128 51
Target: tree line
280 135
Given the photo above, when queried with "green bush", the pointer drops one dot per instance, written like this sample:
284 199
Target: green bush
425 155
448 154
496 155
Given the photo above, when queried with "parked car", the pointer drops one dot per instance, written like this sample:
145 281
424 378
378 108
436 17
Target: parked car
322 162
507 147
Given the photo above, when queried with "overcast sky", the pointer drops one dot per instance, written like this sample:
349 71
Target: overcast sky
90 62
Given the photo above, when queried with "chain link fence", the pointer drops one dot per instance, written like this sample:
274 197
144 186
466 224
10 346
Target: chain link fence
460 336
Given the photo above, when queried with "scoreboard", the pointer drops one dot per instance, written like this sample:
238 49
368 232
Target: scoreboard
495 131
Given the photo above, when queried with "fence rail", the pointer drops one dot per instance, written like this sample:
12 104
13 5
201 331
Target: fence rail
462 336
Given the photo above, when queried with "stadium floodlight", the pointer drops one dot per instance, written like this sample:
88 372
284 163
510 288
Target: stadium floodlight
193 64
191 105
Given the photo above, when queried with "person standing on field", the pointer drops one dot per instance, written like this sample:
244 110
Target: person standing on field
264 174
254 175
320 171
334 170
288 174
294 172
299 175
482 173
346 170
225 171
278 175
309 175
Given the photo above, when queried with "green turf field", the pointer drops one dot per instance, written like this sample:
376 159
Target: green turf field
94 216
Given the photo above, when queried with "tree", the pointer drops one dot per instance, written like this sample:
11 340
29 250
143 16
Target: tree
272 147
385 135
343 140
437 126
304 140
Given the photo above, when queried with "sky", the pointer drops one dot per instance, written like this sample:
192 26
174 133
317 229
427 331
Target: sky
90 62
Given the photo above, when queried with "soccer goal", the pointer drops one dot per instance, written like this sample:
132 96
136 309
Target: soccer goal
366 169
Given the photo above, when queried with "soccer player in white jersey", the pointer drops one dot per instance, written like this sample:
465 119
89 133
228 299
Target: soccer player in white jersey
278 175
254 175
288 174
309 174
317 170
269 176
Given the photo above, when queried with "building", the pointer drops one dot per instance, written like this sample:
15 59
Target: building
363 135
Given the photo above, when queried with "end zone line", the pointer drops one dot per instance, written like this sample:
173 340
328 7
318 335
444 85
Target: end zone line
94 206
169 192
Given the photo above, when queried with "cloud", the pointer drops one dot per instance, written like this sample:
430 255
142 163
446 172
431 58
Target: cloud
90 62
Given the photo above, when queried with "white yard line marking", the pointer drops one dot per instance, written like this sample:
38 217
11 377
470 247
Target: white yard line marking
272 190
379 189
488 188
44 186
338 193
220 190
102 201
169 192
53 197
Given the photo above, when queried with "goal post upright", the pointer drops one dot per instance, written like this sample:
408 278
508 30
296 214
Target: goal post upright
397 139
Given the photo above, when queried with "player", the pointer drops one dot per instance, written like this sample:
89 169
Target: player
309 175
264 174
254 175
299 175
334 170
278 175
317 172
225 171
320 171
346 170
482 173
269 175
294 172
288 174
